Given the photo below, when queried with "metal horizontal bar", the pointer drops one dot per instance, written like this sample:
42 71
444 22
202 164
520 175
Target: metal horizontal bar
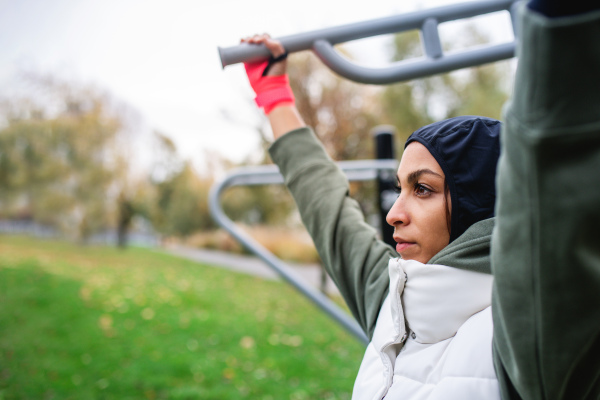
361 170
393 24
407 70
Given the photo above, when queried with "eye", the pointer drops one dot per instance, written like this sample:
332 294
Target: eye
422 190
397 188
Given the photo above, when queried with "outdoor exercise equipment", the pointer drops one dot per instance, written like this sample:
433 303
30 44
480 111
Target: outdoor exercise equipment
321 42
386 179
267 175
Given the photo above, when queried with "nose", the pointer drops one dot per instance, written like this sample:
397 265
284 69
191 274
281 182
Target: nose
398 214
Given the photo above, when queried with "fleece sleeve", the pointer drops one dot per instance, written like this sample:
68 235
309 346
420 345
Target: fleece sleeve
351 253
546 243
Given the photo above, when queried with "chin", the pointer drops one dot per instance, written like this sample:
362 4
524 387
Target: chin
408 256
415 257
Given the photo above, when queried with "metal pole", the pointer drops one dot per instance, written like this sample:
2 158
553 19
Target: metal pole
322 42
269 174
386 179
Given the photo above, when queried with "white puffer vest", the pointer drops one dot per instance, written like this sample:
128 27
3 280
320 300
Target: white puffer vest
433 338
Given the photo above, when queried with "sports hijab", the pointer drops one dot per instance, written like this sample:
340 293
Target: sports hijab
467 149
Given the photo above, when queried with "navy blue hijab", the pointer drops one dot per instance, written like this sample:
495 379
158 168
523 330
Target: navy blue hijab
467 148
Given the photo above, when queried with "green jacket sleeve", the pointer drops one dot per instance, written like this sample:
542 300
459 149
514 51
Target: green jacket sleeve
546 243
351 253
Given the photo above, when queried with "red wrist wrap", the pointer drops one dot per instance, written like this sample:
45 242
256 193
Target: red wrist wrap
271 91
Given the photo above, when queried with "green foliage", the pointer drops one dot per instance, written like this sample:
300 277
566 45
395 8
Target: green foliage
177 203
182 203
473 91
58 166
405 105
341 112
95 322
482 93
258 205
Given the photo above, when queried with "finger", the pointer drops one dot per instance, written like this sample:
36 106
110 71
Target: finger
251 39
248 39
260 38
274 46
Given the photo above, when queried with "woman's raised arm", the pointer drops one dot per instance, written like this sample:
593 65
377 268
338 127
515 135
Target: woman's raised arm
270 83
351 253
546 245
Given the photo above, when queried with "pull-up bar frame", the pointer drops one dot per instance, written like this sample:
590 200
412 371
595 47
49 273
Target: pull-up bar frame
322 42
269 175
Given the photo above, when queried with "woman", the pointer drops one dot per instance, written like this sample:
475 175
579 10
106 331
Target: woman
428 313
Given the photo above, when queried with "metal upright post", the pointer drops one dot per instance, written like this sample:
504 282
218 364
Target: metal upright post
386 179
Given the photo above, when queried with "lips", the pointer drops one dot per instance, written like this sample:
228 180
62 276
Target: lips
400 247
402 244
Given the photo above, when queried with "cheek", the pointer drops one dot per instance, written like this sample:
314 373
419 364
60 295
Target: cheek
436 231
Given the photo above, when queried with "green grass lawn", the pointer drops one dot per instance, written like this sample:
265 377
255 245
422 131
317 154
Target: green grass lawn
101 323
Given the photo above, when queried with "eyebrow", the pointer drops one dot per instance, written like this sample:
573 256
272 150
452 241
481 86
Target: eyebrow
414 176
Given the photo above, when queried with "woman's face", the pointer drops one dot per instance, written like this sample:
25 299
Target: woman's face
419 214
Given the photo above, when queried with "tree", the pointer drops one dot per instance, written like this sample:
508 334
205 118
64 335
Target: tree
125 213
60 156
341 112
474 91
483 90
178 204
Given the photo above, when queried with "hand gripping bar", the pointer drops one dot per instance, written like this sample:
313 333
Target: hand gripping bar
426 21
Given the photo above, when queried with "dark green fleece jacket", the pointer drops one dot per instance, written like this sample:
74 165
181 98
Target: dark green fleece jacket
546 243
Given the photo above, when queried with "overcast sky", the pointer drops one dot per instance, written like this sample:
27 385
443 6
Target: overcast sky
161 57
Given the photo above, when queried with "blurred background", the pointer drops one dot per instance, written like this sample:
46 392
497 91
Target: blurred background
116 118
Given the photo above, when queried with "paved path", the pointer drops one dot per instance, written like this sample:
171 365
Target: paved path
310 273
